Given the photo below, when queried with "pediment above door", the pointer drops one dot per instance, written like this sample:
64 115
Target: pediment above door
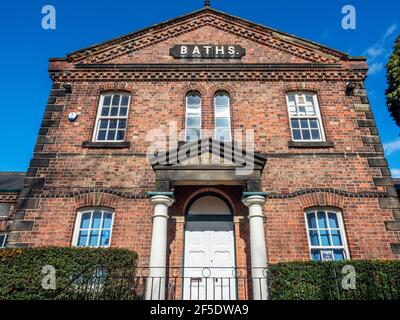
208 160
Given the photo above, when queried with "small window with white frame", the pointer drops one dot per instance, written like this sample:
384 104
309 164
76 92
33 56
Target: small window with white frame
222 111
326 236
3 239
112 117
305 117
93 227
193 117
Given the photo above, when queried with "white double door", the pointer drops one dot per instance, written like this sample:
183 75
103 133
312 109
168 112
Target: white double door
209 261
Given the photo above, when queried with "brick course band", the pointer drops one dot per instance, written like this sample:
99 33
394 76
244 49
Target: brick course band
74 76
142 195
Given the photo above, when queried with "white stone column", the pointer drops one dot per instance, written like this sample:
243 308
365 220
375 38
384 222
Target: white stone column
155 285
257 246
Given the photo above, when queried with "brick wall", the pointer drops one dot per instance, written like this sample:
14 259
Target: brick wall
352 174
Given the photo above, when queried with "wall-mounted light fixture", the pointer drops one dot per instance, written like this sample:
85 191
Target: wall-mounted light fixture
72 116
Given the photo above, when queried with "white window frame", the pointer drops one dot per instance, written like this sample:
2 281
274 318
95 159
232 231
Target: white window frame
99 117
78 221
186 113
317 116
3 243
215 114
342 231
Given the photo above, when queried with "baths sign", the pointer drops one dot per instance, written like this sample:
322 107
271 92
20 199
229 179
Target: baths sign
207 51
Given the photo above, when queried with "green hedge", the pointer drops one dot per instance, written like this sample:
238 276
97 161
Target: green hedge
374 280
84 273
21 269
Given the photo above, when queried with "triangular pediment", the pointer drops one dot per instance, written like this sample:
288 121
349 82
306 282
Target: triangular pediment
206 26
207 152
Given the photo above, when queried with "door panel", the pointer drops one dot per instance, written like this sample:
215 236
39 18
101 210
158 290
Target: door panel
209 261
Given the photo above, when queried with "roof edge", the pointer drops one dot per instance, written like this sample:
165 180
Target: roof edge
58 59
13 172
10 190
357 58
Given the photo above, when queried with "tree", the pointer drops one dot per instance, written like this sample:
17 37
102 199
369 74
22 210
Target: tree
393 82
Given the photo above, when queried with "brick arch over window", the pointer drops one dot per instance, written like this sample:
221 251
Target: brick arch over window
215 191
222 86
300 86
321 199
192 87
96 199
116 87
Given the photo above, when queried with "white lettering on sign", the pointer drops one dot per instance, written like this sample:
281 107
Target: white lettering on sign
207 51
183 50
219 50
196 51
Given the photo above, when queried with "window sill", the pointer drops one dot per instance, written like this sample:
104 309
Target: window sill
106 145
310 144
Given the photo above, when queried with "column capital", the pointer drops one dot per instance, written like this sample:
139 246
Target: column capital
254 199
162 199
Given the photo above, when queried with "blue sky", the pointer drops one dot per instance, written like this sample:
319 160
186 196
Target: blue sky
26 47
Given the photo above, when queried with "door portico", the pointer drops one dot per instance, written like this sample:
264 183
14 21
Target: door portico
211 231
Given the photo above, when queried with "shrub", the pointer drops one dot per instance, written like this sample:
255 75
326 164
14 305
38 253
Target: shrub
21 269
374 280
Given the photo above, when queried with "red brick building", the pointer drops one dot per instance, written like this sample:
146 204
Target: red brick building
295 112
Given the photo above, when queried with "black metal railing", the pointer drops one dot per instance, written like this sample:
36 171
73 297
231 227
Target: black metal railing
206 283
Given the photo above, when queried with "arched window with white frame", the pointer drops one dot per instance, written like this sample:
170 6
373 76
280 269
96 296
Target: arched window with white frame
326 234
93 227
223 131
193 117
305 117
112 117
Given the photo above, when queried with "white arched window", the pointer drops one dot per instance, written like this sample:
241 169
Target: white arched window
222 117
193 117
93 227
112 118
326 234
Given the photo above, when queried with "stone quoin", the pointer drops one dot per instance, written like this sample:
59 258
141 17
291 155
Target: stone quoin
240 96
